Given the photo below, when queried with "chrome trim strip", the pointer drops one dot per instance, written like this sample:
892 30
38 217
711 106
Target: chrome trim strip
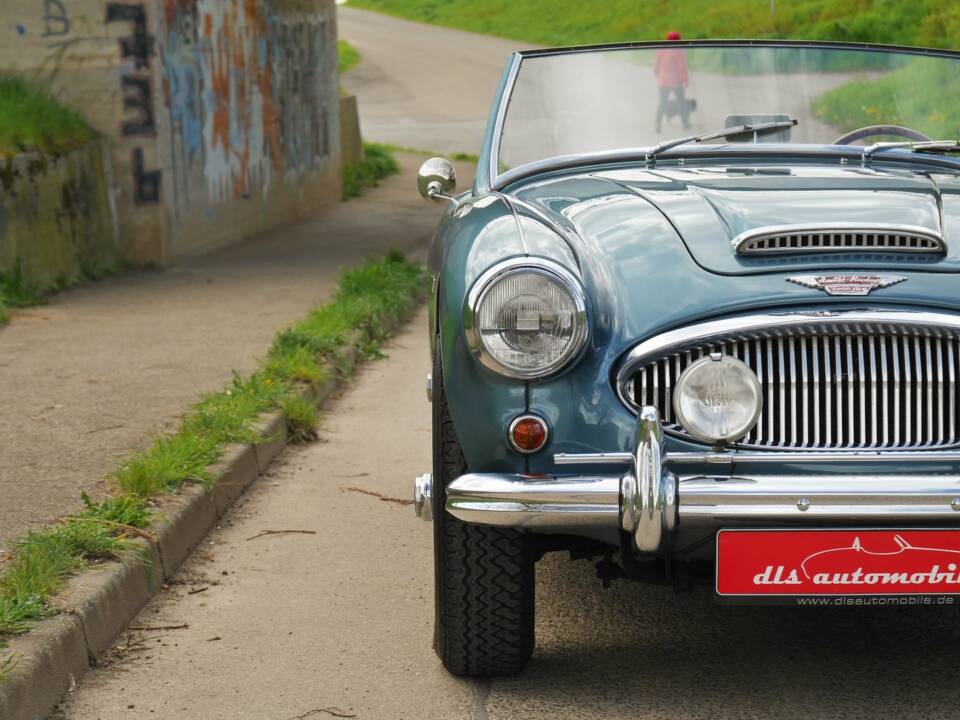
600 458
812 498
520 264
494 158
769 232
772 456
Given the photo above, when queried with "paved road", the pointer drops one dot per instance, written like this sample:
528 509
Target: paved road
96 372
422 86
342 619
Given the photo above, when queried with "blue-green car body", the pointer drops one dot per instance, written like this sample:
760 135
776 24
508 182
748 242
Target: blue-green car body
651 246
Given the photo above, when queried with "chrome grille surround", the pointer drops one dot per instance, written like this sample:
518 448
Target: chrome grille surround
840 238
831 380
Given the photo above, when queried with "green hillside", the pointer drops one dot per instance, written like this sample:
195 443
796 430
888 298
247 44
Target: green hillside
934 23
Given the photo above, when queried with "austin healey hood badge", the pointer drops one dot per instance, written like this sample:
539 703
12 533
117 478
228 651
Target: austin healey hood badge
846 284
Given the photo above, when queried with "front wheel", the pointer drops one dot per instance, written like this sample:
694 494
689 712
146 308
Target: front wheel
483 575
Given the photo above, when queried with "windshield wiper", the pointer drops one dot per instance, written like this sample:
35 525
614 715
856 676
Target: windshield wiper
757 130
912 146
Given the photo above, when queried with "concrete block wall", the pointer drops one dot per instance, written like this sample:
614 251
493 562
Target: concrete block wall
222 116
56 219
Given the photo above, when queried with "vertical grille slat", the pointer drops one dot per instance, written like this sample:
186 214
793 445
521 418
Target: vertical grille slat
908 393
851 388
805 399
951 394
851 382
884 395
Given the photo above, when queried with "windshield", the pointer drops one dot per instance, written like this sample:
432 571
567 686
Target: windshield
569 103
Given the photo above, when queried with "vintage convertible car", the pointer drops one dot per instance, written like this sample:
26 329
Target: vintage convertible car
725 354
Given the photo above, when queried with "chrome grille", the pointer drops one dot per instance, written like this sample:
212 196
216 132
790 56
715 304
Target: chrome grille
832 388
786 240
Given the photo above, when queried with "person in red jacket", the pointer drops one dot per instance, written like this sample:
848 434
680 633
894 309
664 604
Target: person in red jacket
670 69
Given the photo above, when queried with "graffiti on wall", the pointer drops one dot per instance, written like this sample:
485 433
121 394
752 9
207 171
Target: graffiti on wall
139 117
56 22
245 86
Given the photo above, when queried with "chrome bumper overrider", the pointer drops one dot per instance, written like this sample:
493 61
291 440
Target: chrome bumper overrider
652 499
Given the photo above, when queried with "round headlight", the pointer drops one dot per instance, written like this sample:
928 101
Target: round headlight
526 321
718 399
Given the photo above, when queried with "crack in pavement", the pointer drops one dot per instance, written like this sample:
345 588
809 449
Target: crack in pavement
481 691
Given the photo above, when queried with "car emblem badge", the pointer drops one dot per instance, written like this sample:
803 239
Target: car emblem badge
846 284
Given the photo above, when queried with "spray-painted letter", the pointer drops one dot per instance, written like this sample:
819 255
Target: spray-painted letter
137 98
55 20
139 45
146 183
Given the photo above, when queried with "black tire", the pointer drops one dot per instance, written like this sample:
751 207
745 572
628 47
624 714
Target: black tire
483 575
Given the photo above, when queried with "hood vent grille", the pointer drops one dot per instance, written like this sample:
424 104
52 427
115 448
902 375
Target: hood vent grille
790 240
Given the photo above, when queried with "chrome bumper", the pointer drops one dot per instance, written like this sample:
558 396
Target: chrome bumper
652 499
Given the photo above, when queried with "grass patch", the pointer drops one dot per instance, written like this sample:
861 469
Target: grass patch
368 298
378 162
923 95
301 418
567 22
348 56
31 119
43 559
125 510
17 290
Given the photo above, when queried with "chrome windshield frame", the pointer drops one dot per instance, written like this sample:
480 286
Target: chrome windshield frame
491 179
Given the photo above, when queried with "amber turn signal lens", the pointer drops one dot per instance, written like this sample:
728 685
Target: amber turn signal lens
528 433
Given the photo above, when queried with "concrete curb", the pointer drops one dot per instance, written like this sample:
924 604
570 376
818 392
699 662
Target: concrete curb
98 603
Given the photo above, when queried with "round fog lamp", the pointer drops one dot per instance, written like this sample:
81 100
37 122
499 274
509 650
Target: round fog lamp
528 433
718 399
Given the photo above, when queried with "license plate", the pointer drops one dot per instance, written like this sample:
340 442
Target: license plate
839 567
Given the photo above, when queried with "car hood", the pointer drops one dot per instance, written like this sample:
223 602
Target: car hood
710 206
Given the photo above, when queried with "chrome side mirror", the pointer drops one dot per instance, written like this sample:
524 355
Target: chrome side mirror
437 179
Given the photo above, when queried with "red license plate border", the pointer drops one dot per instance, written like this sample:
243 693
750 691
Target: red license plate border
893 599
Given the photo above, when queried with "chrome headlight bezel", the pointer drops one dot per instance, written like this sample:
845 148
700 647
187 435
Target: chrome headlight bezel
553 271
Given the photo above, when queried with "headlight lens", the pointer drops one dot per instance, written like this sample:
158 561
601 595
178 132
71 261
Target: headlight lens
718 399
526 321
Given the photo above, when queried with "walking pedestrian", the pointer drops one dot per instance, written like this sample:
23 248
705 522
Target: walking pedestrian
670 69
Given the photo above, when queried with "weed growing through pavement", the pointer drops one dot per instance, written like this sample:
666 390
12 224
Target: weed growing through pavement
367 299
301 418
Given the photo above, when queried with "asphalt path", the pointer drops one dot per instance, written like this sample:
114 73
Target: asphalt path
340 618
421 86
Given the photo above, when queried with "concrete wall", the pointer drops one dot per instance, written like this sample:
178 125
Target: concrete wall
222 116
351 143
56 220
